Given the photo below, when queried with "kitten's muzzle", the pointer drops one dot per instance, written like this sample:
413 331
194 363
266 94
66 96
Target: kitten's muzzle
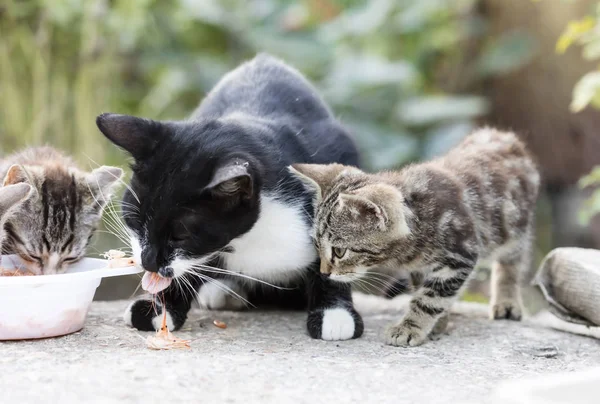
325 268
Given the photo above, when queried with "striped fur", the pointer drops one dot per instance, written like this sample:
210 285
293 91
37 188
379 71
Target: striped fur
53 226
433 222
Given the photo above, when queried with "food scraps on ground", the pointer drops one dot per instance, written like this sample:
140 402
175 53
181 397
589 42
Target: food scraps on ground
154 283
220 324
164 339
118 259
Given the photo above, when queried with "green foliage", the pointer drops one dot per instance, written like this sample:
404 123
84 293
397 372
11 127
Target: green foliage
385 66
586 33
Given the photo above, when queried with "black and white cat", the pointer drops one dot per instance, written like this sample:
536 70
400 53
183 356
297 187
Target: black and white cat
214 192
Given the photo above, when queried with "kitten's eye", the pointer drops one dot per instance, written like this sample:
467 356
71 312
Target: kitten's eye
339 252
35 258
70 259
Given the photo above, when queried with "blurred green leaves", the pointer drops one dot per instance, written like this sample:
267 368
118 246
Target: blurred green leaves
397 72
586 33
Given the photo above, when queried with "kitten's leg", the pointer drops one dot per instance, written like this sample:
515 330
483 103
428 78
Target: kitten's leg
505 302
222 294
145 314
331 314
431 302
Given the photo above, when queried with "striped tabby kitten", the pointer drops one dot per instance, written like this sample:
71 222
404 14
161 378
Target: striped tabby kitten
53 226
433 221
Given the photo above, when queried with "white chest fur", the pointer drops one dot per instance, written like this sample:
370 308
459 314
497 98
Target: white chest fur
276 247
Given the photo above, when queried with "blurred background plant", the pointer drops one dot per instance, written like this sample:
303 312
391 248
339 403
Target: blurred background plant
409 77
585 34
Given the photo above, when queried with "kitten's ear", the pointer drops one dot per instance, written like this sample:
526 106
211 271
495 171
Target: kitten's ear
362 208
15 175
137 136
13 194
319 177
232 179
104 178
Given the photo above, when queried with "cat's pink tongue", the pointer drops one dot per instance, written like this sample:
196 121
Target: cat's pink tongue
154 283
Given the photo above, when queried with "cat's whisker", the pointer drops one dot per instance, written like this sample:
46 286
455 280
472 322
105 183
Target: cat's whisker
183 285
362 285
232 273
383 285
224 288
119 179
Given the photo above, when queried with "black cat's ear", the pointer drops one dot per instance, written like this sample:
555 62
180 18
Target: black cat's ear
232 179
10 195
138 136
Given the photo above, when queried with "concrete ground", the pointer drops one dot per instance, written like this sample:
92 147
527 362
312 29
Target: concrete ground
268 357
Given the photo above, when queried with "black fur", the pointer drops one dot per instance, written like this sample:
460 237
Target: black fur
199 181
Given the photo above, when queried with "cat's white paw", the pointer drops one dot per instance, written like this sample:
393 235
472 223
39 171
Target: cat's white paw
338 324
127 314
219 295
509 309
157 321
404 335
146 315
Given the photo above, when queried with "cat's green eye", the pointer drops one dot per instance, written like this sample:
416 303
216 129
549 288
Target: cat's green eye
339 252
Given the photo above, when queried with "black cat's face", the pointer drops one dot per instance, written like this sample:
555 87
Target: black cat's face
193 190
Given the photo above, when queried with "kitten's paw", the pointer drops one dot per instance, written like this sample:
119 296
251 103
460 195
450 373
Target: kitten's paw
506 310
404 335
221 295
146 315
335 324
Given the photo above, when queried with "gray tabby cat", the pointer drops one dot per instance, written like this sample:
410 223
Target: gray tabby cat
432 221
53 226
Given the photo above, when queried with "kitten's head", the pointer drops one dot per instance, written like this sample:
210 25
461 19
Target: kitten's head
358 221
195 187
53 226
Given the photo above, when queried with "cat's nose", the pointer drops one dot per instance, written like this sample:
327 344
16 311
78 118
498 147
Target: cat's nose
149 260
166 272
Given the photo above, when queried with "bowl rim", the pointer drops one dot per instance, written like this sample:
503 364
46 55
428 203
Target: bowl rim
100 270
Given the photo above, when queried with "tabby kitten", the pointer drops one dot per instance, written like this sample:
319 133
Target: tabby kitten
434 221
53 226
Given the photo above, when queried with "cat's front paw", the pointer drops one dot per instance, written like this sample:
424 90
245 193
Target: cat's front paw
404 335
506 310
147 315
335 324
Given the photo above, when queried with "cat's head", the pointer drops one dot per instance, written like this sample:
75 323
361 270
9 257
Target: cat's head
195 187
52 227
359 219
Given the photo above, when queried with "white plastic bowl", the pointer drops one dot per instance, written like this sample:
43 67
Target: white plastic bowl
50 305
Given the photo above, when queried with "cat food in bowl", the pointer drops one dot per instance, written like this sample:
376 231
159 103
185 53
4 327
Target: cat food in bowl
50 305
